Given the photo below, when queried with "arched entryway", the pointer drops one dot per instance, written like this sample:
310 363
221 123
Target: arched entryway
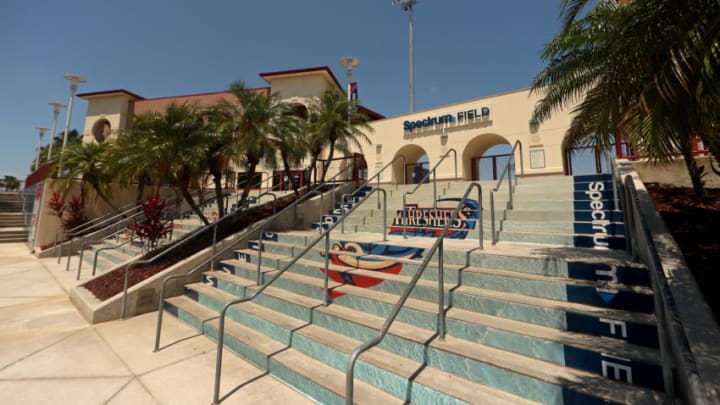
589 159
485 156
411 169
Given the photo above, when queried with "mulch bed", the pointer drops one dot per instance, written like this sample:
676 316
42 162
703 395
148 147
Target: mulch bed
694 223
111 283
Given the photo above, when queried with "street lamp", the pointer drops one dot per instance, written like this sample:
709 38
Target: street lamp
56 110
74 81
349 63
407 5
42 133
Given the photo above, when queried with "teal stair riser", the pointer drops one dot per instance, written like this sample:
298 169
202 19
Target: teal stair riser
546 267
537 288
585 359
378 377
270 329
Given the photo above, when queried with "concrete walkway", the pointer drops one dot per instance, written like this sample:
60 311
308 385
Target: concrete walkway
50 355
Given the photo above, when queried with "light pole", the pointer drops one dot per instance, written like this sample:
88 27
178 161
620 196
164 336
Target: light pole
74 81
42 133
56 110
407 5
349 63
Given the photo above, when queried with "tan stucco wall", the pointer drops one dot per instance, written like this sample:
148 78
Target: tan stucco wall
675 173
509 121
112 107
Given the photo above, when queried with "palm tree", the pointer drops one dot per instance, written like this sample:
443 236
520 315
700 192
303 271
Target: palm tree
174 142
615 70
335 127
129 161
289 136
221 147
86 162
254 116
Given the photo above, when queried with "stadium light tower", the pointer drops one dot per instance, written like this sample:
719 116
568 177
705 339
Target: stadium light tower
42 133
56 110
408 5
74 81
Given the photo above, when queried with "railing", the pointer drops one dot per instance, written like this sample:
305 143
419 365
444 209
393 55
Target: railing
314 191
86 243
506 171
421 182
178 244
221 327
438 245
96 224
674 345
124 222
214 256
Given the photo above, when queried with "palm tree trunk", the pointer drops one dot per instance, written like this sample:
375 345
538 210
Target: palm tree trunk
185 191
695 172
286 163
326 164
217 179
246 190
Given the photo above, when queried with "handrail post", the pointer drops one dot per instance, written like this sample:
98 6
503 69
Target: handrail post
218 359
125 287
405 216
434 188
326 298
384 193
214 246
441 290
82 251
510 191
480 216
492 217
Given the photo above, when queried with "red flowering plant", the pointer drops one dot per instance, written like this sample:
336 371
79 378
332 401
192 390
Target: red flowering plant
76 217
153 225
59 206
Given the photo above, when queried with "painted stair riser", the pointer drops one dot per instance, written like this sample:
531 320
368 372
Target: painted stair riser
639 333
569 269
517 384
438 358
592 295
562 354
378 377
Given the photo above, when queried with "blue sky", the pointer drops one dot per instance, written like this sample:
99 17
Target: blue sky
463 49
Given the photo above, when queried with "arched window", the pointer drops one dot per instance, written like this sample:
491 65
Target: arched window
101 130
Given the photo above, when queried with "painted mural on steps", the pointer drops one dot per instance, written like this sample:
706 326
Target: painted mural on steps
429 221
367 256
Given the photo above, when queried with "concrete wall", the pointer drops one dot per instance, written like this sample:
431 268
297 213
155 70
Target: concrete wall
675 173
509 121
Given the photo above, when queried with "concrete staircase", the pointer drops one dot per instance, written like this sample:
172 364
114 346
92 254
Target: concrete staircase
554 313
12 218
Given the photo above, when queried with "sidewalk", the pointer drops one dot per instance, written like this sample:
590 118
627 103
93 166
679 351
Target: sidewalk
50 355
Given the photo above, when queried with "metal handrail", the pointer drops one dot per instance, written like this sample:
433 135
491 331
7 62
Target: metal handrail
178 244
97 226
97 252
666 312
314 191
439 244
221 326
86 243
511 161
111 220
421 182
125 209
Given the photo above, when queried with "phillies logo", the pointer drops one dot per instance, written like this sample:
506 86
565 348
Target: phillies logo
355 255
